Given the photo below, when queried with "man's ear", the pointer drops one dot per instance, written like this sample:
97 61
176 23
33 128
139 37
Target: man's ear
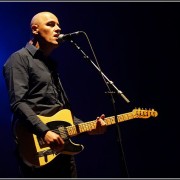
34 29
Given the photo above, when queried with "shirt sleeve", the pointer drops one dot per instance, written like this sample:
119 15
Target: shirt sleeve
16 76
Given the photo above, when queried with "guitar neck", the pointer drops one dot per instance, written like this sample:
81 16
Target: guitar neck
88 126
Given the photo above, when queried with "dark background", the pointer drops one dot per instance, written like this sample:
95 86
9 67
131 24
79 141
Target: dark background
137 45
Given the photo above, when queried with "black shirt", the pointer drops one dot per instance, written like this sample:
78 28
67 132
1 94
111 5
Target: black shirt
34 87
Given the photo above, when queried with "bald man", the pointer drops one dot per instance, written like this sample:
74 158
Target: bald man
36 93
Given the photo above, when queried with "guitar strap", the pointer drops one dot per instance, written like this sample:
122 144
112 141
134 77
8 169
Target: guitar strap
62 94
62 97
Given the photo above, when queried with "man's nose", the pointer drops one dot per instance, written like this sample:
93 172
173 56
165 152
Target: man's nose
57 29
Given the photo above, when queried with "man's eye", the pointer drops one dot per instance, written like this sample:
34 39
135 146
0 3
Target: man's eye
52 24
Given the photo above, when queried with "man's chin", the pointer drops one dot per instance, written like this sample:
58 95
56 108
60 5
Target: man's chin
55 44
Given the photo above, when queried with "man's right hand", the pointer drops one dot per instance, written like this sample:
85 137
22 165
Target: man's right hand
54 140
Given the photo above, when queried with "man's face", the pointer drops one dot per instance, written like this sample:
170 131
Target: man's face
48 29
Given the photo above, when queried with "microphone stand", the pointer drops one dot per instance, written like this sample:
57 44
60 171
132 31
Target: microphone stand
123 162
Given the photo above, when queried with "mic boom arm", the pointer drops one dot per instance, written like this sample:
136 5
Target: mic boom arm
109 81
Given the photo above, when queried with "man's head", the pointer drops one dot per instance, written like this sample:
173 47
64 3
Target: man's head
45 29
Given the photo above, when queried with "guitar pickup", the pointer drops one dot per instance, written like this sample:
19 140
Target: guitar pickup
41 141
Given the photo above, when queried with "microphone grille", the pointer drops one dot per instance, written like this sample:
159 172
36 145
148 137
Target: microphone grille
61 36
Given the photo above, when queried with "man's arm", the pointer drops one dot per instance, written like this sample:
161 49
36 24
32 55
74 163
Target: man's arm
16 76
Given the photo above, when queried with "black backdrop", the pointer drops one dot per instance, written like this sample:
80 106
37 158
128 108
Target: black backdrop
137 46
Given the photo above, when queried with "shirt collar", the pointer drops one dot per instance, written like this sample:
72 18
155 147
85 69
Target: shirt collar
32 49
35 52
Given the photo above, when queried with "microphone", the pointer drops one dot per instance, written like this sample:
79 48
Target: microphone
66 37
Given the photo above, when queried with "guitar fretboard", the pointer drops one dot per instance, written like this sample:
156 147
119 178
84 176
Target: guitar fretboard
88 126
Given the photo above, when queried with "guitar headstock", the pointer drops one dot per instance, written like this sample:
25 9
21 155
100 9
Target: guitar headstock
144 113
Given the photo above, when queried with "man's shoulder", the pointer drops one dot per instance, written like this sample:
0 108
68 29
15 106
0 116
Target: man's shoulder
16 56
21 52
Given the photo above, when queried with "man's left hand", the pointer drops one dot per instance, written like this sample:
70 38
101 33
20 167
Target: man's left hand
100 126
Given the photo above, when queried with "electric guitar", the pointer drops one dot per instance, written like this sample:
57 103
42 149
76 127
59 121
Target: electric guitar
35 152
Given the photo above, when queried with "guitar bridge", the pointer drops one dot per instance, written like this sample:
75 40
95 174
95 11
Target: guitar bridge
45 153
